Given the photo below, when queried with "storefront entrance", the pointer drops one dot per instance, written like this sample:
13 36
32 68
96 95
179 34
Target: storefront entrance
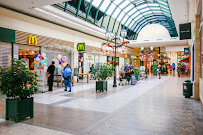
28 54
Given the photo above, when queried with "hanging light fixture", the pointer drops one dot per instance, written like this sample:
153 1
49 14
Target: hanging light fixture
108 34
151 47
142 48
123 33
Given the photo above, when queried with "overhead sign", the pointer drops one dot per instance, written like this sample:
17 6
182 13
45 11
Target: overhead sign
186 51
81 47
185 31
32 40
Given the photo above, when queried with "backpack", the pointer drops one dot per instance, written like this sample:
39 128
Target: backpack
67 72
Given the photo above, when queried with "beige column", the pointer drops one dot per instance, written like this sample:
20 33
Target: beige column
197 62
75 60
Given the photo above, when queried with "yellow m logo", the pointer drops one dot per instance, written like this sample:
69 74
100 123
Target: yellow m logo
81 47
32 40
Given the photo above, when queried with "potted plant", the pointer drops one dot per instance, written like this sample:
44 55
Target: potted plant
154 68
102 72
18 84
137 74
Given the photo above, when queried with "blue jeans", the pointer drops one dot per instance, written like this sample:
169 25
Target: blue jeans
67 82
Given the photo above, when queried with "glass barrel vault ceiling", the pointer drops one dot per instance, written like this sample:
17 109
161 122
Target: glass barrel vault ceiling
114 15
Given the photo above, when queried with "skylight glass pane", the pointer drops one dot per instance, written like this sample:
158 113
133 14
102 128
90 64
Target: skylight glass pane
124 19
111 9
96 3
131 24
142 6
116 13
166 11
132 11
118 1
162 2
124 4
145 9
136 14
138 17
120 16
128 21
128 8
104 5
148 12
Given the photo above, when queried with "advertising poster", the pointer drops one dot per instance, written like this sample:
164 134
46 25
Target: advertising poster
40 78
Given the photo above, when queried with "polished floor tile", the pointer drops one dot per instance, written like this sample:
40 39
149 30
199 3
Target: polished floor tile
151 107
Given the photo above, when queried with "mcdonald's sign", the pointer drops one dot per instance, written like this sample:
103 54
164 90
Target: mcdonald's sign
81 47
32 40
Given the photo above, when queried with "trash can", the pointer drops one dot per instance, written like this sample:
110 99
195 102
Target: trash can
187 88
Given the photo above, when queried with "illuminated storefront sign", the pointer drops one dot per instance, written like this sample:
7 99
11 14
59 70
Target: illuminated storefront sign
81 47
32 40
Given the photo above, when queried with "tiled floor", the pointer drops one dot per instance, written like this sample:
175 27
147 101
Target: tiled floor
151 107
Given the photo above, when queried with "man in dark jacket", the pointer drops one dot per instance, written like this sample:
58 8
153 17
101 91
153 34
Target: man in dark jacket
50 73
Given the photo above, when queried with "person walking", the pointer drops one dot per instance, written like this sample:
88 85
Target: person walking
126 67
50 75
159 70
67 75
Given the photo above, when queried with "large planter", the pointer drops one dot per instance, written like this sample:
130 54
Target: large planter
19 109
101 85
154 73
137 77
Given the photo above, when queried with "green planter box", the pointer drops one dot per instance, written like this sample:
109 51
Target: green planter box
154 73
19 109
137 77
101 85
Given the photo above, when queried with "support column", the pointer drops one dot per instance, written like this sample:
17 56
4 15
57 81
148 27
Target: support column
74 60
197 62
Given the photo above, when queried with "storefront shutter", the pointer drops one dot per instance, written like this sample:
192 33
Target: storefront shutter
5 54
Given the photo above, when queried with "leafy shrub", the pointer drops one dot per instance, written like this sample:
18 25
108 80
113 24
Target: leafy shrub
154 67
102 71
17 82
136 71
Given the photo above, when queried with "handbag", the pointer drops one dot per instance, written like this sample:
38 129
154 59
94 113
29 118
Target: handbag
48 75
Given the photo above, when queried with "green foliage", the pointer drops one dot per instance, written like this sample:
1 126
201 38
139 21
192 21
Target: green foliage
136 71
154 67
17 82
102 71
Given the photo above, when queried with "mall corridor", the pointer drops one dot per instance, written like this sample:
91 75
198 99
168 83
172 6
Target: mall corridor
152 107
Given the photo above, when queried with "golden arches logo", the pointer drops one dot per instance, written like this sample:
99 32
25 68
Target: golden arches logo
81 47
32 40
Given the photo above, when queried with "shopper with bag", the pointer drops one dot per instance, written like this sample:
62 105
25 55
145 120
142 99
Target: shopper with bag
67 75
50 75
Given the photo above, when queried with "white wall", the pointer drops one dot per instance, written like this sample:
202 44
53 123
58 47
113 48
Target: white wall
88 61
180 11
102 59
153 31
21 22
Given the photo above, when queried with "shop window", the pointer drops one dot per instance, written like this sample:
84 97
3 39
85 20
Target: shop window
28 54
5 54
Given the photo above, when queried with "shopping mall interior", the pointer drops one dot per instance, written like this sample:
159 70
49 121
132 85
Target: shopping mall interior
101 67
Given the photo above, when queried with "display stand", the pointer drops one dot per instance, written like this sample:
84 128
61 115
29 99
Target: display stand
40 78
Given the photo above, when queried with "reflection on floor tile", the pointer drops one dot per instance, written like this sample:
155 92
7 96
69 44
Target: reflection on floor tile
115 101
25 129
48 98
